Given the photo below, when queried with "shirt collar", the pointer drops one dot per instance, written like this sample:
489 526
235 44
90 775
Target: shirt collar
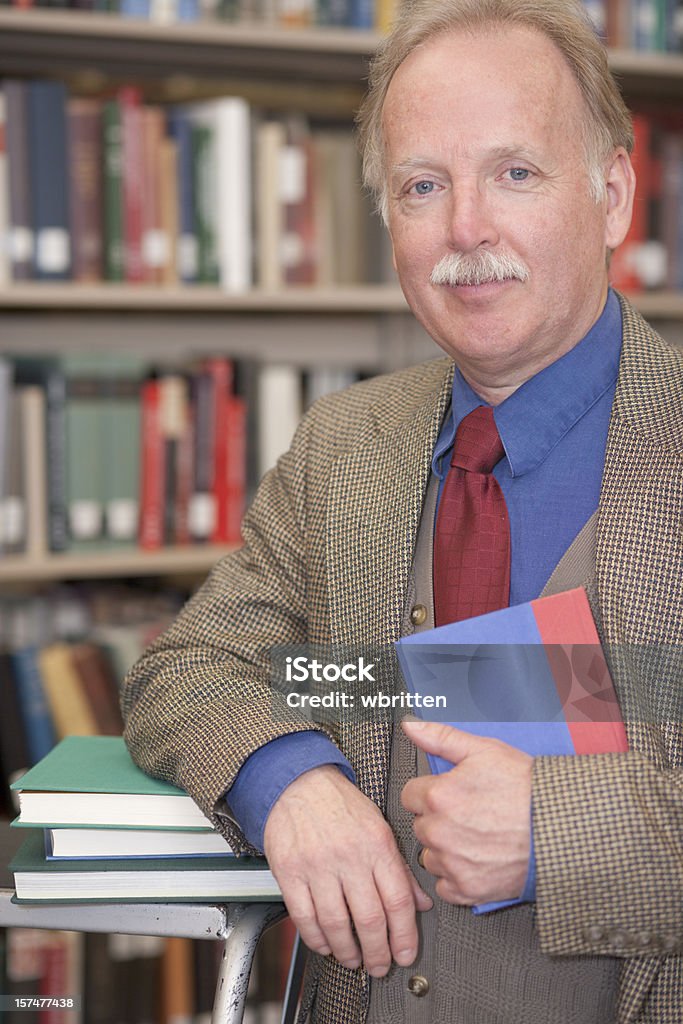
538 414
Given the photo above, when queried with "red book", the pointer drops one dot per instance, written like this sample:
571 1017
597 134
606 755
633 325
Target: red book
133 181
233 509
152 467
221 373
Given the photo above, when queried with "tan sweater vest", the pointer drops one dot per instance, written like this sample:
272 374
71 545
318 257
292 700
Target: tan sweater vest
484 969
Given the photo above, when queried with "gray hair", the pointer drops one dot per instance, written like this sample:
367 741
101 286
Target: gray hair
606 122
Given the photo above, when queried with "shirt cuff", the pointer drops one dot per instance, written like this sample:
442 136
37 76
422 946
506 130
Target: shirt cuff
269 770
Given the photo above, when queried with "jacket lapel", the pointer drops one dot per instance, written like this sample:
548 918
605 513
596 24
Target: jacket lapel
375 500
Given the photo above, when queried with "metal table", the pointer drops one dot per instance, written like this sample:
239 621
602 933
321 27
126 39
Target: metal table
238 925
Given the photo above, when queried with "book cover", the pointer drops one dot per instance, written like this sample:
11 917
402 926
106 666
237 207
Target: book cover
533 676
99 771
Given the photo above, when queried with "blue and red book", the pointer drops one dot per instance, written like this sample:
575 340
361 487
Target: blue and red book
534 676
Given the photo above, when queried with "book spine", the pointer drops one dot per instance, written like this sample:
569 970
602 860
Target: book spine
5 219
13 502
21 238
85 205
65 696
186 251
55 430
233 161
169 201
202 508
84 453
121 416
154 243
221 373
40 733
49 176
32 405
152 469
114 258
236 470
205 188
133 182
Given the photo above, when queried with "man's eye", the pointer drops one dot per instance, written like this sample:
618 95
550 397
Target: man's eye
518 173
423 188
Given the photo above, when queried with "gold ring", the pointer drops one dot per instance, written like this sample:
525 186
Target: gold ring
421 857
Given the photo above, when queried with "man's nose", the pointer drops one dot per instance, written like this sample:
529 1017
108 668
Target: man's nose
471 221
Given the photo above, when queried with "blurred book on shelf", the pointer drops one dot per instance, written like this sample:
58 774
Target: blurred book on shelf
215 192
105 452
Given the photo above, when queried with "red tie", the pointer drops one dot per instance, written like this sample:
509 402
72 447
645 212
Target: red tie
472 537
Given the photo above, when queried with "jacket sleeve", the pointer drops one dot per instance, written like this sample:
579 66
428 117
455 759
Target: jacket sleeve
608 832
198 702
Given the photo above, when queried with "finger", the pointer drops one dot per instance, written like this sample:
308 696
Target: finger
445 740
423 901
414 794
333 917
370 922
302 912
397 893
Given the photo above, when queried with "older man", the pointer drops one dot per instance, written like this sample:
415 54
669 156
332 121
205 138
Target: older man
499 149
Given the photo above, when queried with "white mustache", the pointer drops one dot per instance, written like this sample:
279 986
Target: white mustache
481 267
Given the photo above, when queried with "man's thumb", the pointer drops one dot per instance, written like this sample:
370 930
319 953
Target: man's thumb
445 740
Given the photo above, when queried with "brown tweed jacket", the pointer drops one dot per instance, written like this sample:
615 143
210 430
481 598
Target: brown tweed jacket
328 544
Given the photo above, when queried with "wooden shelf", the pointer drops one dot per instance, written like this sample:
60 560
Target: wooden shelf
111 564
40 297
45 41
35 41
37 296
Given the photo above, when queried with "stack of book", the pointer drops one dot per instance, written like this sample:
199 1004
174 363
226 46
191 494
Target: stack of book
99 829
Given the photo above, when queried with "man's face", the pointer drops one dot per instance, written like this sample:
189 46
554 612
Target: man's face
485 154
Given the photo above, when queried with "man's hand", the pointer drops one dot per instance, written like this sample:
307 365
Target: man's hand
339 869
473 821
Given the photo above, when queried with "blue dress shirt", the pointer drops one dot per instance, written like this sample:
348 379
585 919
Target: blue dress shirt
554 431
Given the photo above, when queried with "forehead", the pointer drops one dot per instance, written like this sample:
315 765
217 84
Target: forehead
483 88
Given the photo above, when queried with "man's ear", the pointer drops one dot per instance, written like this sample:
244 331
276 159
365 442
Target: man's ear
620 185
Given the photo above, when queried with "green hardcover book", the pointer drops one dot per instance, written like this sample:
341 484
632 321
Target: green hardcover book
86 468
122 433
182 879
92 781
205 186
113 192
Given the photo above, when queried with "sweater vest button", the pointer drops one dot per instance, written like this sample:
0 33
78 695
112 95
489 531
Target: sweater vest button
418 614
418 985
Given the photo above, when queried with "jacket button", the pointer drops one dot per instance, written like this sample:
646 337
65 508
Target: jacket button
418 985
619 939
644 940
668 943
418 614
594 933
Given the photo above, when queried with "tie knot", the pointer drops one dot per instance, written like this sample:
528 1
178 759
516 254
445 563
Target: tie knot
477 446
